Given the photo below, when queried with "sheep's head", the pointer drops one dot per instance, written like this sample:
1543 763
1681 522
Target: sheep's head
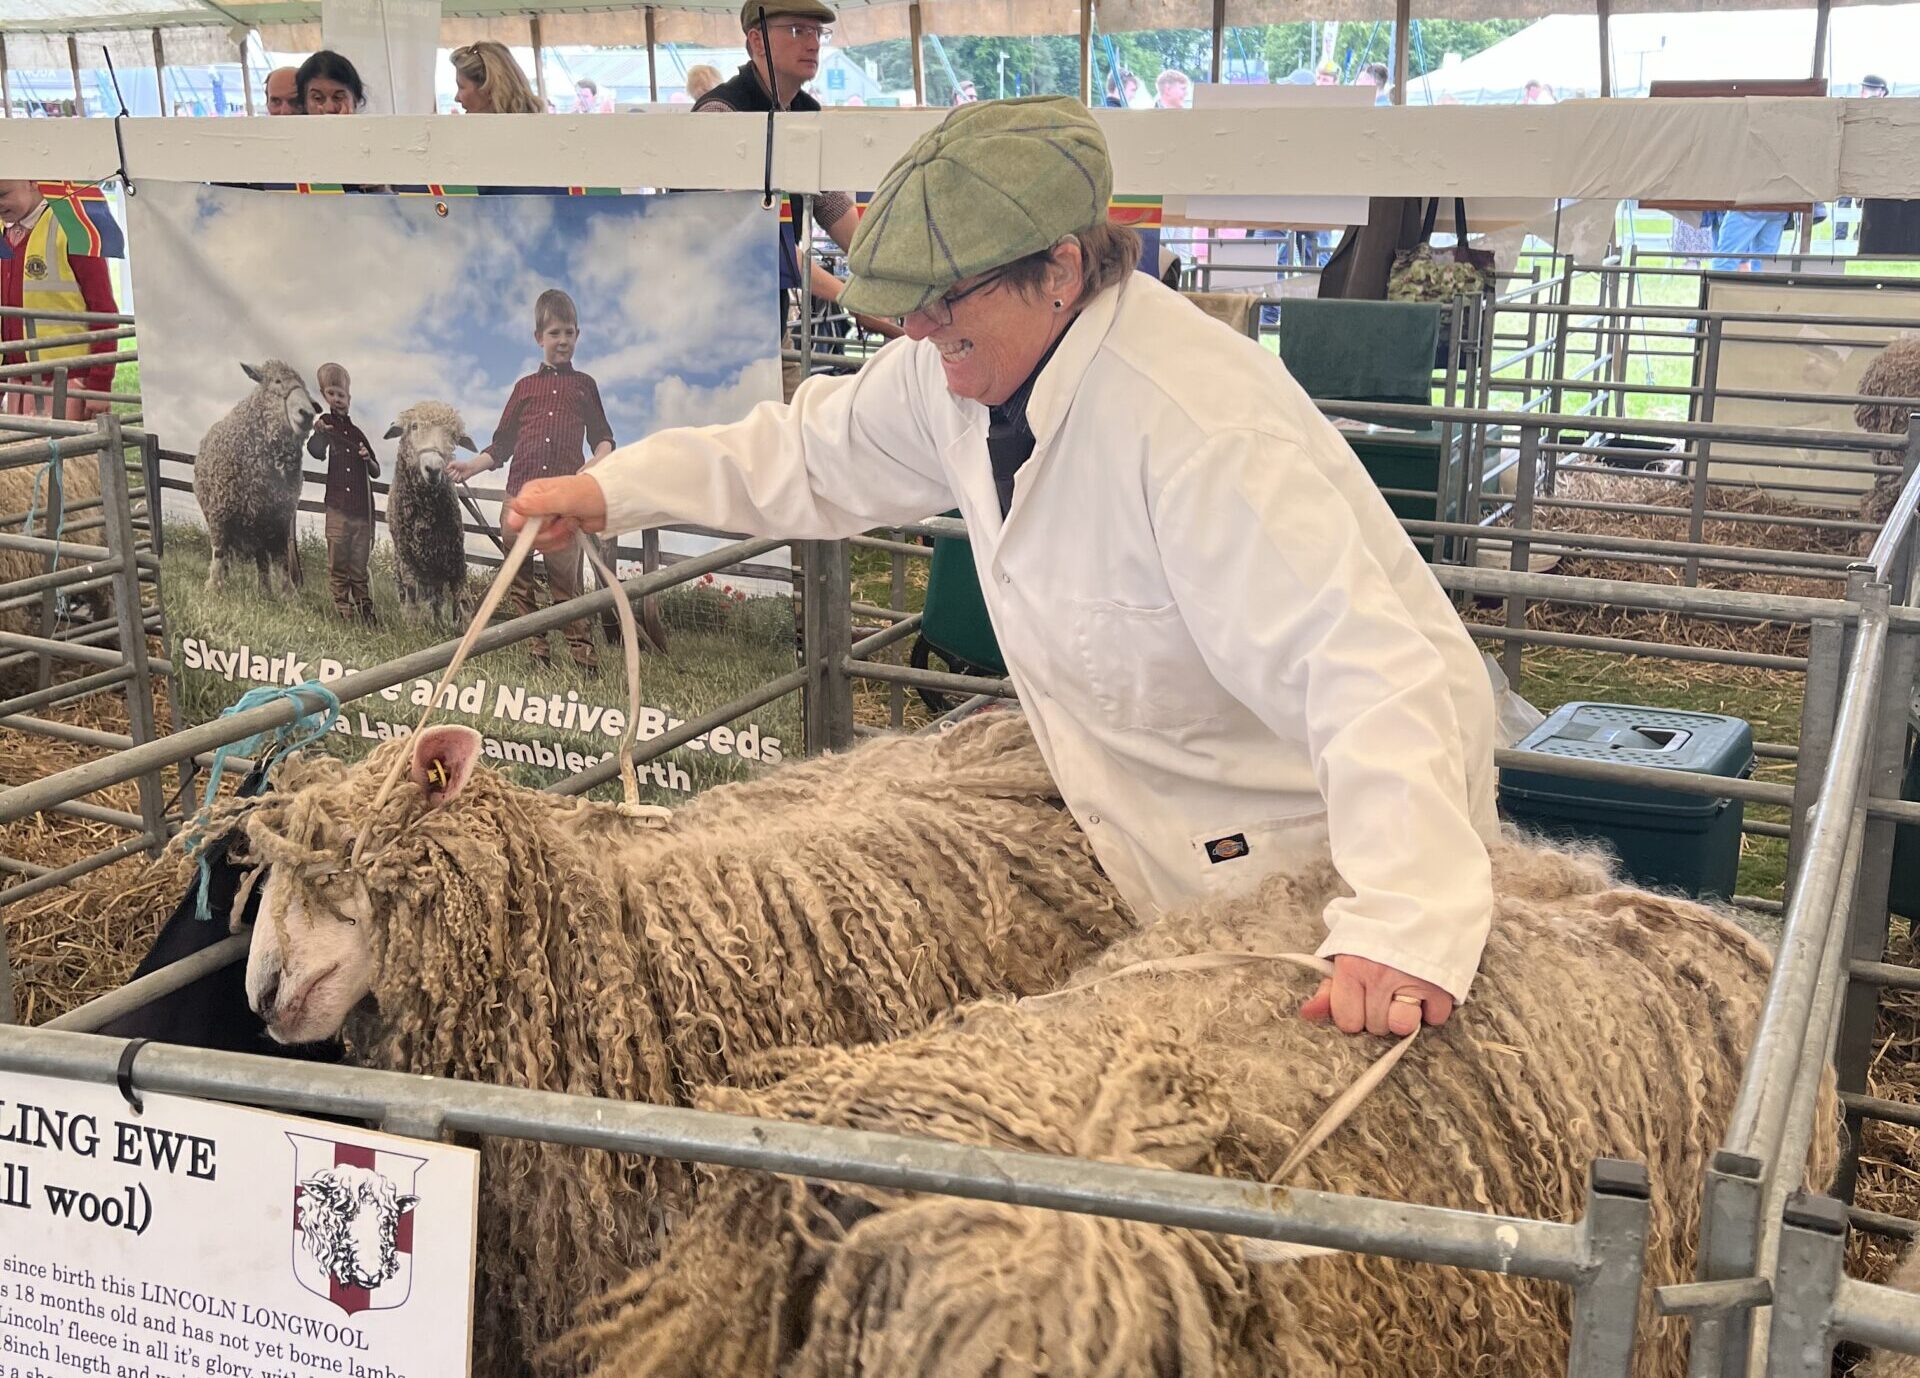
428 433
285 390
319 931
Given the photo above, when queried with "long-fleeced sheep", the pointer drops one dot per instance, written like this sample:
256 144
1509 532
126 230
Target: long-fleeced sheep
247 476
423 512
1605 1021
512 936
1894 372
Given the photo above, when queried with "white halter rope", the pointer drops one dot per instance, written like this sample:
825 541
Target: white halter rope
630 805
1337 1113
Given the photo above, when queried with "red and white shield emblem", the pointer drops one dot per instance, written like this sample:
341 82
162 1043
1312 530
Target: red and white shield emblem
353 1223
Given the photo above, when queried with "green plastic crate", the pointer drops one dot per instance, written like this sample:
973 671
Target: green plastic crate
1665 840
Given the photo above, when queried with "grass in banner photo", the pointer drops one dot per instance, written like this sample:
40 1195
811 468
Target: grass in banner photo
345 390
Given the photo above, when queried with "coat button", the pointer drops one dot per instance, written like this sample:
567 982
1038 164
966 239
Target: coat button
1093 818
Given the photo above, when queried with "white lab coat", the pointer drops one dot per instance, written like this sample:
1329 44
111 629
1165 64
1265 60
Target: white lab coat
1230 653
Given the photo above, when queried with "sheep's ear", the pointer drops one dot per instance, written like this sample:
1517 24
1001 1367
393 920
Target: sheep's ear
393 431
443 758
465 442
407 1202
251 372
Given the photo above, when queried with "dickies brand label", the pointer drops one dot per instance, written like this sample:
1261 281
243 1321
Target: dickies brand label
1227 848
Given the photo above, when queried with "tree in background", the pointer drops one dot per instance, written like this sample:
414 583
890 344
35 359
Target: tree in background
1051 64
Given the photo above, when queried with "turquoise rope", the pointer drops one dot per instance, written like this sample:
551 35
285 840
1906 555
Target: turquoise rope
303 731
56 497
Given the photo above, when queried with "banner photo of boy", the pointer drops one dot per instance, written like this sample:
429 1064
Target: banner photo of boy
346 390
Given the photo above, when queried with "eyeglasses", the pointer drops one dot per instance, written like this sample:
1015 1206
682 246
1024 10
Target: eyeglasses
940 309
802 32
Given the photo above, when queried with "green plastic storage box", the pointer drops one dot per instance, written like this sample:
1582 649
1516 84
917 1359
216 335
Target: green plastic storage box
1665 840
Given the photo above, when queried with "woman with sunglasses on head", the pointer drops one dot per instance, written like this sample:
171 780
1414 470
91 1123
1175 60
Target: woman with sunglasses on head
489 82
1233 659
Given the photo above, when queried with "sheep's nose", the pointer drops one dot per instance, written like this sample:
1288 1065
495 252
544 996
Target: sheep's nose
269 993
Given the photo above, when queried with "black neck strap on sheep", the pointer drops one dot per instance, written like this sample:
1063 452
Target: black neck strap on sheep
1336 1114
630 641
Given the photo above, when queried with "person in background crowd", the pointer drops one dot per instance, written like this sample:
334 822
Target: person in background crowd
1326 74
966 93
1538 93
1231 655
1743 233
487 81
328 84
1174 88
1375 74
42 273
283 92
784 38
701 79
586 97
1887 225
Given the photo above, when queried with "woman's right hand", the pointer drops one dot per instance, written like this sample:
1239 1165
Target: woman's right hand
570 505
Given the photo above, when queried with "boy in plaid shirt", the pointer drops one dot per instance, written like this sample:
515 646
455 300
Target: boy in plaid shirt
554 424
343 447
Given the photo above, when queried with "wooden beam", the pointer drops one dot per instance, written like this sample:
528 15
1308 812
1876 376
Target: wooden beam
1821 15
1402 48
539 63
917 38
1603 9
73 65
160 70
1219 39
1086 52
653 71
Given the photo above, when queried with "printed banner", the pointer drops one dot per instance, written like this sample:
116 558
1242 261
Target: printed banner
197 1239
346 388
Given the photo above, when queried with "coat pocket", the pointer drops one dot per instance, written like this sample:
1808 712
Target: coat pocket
1142 669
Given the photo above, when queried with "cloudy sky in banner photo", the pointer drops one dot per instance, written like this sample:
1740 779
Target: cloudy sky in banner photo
677 300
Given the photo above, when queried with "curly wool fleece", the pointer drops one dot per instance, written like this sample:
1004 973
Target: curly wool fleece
1605 1021
536 941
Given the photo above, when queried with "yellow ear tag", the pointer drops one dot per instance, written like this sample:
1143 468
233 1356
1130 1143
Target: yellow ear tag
437 772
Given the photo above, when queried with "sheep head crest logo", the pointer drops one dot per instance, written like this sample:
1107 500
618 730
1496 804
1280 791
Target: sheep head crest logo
353 1223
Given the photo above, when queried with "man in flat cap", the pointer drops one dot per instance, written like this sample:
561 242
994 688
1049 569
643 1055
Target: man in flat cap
1232 658
783 40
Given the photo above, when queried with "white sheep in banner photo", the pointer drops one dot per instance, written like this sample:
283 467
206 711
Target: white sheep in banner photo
423 511
350 1222
247 476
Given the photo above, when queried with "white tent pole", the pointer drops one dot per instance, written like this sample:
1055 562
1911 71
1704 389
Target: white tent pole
653 71
73 65
246 72
160 70
6 87
1604 11
917 37
1402 46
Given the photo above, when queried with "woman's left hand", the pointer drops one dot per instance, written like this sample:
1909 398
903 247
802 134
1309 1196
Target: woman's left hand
1361 995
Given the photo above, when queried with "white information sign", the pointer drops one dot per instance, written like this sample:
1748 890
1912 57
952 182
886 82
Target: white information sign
199 1240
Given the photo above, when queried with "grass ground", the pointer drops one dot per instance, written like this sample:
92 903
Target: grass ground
718 650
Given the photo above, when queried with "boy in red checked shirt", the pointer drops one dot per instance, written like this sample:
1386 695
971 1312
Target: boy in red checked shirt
554 425
351 468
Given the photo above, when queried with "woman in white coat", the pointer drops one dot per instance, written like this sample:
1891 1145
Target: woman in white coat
1230 653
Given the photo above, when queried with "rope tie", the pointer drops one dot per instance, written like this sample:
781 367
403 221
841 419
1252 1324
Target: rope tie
630 806
52 474
303 731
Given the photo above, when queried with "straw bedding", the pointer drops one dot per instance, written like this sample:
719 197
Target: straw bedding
1606 1021
536 941
1647 625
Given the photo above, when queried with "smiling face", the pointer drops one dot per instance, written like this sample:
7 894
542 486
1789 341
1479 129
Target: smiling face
338 397
18 197
557 340
998 333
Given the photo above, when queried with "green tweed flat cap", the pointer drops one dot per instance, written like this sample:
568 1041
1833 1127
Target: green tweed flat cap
998 180
784 9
